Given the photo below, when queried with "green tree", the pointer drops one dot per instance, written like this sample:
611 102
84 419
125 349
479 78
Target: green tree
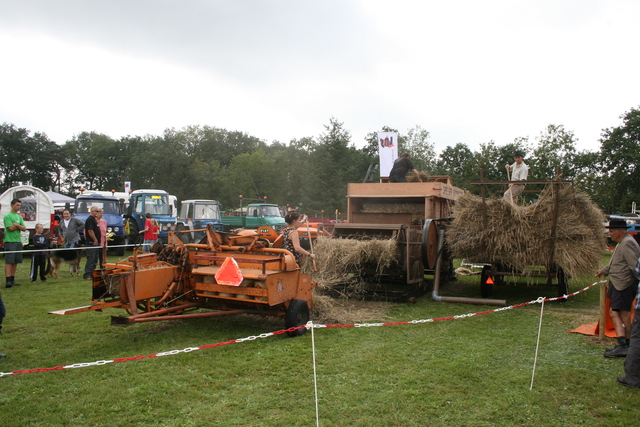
28 159
95 161
554 151
458 162
333 163
620 157
422 151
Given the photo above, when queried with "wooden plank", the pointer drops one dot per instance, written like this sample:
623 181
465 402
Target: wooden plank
406 189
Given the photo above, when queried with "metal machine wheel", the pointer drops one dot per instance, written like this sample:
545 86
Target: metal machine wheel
297 315
429 244
485 288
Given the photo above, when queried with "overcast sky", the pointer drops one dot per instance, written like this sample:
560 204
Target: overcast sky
466 71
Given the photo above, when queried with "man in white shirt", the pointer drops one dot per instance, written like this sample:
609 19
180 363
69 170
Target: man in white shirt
519 172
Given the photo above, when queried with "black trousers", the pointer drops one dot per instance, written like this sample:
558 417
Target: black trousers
632 361
38 262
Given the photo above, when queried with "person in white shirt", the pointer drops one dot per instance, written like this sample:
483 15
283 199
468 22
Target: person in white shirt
519 171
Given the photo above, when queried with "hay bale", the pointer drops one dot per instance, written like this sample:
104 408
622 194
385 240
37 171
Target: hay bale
521 236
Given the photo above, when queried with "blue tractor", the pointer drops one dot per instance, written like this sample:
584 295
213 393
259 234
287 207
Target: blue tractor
159 204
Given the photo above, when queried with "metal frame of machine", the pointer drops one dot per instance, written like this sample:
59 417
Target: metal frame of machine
182 282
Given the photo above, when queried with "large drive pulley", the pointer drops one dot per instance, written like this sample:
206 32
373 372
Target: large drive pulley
429 244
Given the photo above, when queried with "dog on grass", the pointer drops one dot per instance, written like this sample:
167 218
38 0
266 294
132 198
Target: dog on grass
69 256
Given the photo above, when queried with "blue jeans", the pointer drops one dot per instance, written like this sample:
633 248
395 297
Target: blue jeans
147 245
70 245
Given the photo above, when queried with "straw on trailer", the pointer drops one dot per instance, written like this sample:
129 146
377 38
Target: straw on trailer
523 236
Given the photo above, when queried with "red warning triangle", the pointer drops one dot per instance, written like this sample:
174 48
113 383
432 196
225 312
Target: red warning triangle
229 273
489 281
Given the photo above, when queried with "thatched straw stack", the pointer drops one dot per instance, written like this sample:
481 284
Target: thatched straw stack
341 260
424 177
521 236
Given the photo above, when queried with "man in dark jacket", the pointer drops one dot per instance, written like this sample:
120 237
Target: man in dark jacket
92 241
400 168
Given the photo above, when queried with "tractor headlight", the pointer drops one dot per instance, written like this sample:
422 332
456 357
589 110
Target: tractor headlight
116 229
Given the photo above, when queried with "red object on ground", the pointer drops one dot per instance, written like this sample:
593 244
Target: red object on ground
594 328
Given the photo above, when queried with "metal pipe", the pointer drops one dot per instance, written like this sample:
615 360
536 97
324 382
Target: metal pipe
202 314
436 283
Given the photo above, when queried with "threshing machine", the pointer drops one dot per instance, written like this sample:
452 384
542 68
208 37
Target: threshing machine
408 212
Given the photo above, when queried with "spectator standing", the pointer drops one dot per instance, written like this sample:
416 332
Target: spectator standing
70 228
149 237
623 284
13 225
156 229
39 259
102 223
92 241
631 377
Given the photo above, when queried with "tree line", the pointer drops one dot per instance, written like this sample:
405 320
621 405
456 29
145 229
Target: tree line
312 172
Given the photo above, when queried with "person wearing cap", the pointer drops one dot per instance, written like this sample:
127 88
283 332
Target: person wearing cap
623 284
519 172
400 168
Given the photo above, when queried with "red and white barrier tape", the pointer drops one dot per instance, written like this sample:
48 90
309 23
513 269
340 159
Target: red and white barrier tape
269 334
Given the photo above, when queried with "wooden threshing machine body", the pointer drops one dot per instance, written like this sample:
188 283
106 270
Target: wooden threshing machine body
408 211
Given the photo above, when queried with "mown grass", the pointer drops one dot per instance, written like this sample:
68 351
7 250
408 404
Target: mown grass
474 371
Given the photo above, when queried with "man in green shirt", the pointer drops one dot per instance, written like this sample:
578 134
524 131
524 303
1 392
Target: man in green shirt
13 225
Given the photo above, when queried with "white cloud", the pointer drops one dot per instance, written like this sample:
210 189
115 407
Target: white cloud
465 71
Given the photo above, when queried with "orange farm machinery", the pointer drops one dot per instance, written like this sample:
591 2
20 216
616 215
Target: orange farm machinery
223 274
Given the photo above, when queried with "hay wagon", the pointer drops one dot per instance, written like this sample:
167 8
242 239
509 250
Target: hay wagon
558 237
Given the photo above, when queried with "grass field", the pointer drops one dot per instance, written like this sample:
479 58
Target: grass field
474 371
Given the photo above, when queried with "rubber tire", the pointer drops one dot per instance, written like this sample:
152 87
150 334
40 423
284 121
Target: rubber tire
133 233
485 289
297 315
184 237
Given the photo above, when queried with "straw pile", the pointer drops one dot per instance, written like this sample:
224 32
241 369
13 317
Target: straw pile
341 261
330 310
521 236
424 177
